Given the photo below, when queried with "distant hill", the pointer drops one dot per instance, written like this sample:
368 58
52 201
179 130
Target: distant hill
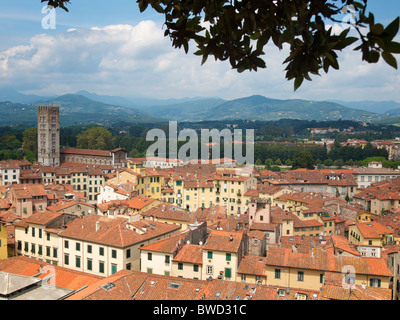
195 110
261 108
137 102
17 97
258 108
74 110
380 107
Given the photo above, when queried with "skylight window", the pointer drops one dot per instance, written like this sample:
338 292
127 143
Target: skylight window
174 285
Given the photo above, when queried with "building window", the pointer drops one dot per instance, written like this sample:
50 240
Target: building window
113 268
209 254
101 267
277 273
66 259
89 264
196 268
101 251
180 266
375 282
78 246
77 262
228 257
167 259
114 254
210 270
128 253
228 272
300 276
149 256
89 248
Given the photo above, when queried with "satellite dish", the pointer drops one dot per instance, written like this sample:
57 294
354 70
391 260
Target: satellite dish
89 211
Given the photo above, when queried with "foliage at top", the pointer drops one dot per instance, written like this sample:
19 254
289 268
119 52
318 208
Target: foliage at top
238 31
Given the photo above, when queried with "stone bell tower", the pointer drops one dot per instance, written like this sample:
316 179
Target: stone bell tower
49 136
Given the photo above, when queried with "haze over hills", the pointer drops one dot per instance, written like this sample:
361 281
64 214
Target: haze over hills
136 102
85 108
74 110
380 107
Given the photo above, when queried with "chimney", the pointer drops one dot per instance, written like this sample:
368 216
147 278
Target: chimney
97 226
230 238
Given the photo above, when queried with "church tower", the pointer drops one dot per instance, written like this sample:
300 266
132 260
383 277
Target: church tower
49 136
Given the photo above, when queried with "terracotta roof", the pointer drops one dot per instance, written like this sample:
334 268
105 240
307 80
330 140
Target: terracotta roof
372 229
341 243
254 265
169 244
40 218
101 153
62 205
139 202
119 286
167 211
190 253
27 191
226 241
338 292
116 232
320 259
63 277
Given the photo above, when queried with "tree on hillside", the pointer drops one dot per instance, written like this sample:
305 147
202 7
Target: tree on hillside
303 159
30 140
238 31
97 138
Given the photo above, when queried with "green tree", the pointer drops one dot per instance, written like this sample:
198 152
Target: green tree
268 164
238 31
338 163
97 138
133 153
328 162
275 169
303 159
30 139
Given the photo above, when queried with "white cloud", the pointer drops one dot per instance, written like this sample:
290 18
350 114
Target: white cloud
138 60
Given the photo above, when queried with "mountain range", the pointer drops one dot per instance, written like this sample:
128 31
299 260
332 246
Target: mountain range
84 107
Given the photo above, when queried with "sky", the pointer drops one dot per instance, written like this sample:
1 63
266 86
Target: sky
110 48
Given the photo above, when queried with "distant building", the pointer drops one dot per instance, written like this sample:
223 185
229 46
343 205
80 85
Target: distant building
49 136
116 157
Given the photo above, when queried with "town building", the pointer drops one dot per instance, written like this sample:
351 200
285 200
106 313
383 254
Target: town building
49 136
